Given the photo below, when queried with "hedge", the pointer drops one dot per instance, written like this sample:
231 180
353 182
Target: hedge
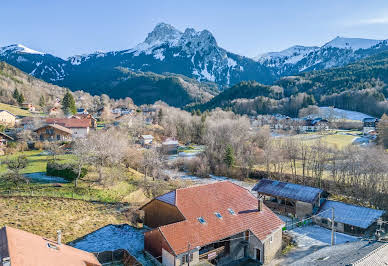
65 170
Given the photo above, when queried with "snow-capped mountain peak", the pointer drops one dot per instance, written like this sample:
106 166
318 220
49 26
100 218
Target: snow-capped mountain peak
351 43
296 50
18 48
162 33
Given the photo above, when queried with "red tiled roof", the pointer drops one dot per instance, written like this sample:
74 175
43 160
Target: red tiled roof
70 122
204 201
27 249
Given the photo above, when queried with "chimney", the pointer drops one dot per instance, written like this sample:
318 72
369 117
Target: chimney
261 204
59 237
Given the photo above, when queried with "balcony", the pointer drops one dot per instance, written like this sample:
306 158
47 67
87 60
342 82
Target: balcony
211 254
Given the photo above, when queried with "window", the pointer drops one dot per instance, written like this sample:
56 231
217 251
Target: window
58 137
324 221
219 216
201 220
231 211
270 239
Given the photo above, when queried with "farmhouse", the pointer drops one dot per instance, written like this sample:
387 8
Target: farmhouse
82 111
289 199
53 132
28 106
314 125
7 118
369 124
93 121
79 127
347 218
219 222
146 140
170 146
21 248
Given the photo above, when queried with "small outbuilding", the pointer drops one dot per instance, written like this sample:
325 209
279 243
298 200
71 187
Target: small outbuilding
288 198
146 140
170 146
348 218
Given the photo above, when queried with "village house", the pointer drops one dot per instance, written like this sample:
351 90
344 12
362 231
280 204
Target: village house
369 125
93 121
4 138
314 125
289 199
146 140
170 146
21 248
28 106
53 132
7 118
350 219
218 223
79 127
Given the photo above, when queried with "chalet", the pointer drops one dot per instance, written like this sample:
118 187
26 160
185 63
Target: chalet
54 132
358 253
79 127
348 218
289 199
170 146
21 248
4 138
314 125
7 118
218 223
369 124
28 106
93 121
146 140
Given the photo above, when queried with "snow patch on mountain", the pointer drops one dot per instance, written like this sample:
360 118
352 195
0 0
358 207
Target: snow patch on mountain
351 43
18 48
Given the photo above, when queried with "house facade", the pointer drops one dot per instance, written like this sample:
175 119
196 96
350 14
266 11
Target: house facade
80 127
314 125
219 223
21 248
170 146
7 118
54 132
289 199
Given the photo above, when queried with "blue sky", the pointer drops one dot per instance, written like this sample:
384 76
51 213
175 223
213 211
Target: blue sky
247 27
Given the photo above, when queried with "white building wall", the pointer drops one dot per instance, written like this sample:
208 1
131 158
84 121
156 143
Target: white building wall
167 258
80 132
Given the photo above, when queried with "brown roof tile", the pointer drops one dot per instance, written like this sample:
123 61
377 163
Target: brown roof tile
70 122
27 249
204 201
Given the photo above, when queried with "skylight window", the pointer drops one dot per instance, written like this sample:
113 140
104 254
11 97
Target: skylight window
219 216
201 220
231 211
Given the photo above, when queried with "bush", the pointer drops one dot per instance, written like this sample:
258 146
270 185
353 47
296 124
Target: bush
65 170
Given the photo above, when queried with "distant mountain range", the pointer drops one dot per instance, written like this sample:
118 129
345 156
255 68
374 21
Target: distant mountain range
195 54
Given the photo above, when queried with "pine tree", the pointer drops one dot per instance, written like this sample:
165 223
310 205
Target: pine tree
160 115
229 156
68 104
15 94
41 101
20 99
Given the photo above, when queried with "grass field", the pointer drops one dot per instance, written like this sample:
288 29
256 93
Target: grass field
44 216
14 109
37 161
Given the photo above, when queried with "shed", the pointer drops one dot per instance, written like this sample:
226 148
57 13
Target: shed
146 140
348 218
289 198
170 146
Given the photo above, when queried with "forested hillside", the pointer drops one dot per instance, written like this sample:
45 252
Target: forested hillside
360 86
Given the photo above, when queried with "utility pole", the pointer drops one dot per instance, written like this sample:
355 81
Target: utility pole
188 253
332 226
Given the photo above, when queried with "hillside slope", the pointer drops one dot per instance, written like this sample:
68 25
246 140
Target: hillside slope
360 86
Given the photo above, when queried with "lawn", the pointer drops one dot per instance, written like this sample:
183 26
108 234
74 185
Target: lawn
44 216
14 109
37 160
